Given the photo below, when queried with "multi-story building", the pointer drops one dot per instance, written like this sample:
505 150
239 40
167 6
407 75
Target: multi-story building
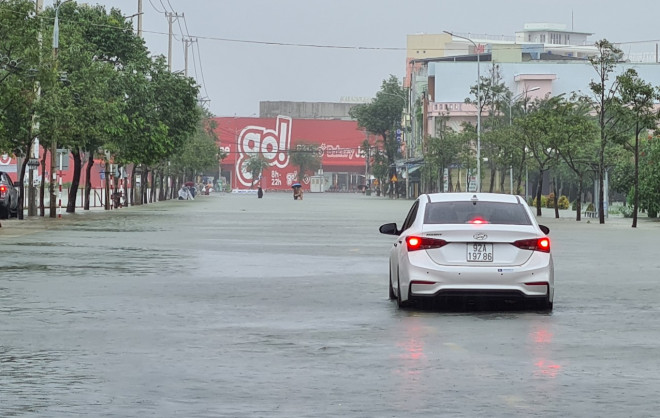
543 59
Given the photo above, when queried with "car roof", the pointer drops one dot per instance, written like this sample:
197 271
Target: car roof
468 197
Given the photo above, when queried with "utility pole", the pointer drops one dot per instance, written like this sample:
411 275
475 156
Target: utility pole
187 43
53 145
139 32
170 19
34 149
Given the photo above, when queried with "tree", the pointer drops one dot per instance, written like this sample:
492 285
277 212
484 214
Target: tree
255 165
539 127
160 115
20 71
306 157
200 153
649 185
490 96
605 103
638 98
443 151
382 117
97 47
577 145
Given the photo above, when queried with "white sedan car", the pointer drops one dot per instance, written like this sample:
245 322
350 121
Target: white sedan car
470 245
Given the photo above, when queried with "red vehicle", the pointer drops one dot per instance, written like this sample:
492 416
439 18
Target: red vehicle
8 196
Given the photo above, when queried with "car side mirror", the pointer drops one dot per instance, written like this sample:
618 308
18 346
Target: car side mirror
18 183
545 229
389 229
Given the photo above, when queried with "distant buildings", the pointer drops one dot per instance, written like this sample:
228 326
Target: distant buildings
543 59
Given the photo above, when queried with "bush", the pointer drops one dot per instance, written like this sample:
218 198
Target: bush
544 201
626 211
563 202
550 201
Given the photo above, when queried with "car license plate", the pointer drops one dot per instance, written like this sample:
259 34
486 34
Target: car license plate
479 252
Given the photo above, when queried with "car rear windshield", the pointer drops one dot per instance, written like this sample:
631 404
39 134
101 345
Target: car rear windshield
479 212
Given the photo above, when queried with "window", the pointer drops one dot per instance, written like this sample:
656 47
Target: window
555 38
411 216
462 212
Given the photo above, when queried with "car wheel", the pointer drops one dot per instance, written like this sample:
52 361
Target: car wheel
4 212
13 213
399 302
546 305
389 284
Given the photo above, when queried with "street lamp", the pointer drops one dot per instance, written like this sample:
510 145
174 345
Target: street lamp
478 106
514 99
53 145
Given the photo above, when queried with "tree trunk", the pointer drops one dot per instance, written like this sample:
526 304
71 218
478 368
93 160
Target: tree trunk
538 193
636 179
555 197
502 180
144 186
492 178
451 189
578 201
42 186
601 184
88 180
75 182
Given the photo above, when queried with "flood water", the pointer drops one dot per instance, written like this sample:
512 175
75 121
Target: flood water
233 306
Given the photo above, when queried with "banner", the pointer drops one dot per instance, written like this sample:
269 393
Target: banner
338 144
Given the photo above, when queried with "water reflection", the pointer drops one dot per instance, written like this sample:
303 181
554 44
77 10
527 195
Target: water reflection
541 339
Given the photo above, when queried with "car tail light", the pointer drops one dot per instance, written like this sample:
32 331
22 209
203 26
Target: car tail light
424 243
3 188
478 221
535 244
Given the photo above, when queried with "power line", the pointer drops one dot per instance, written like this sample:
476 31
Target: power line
164 8
201 70
155 8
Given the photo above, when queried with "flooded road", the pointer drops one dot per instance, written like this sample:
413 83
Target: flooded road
233 306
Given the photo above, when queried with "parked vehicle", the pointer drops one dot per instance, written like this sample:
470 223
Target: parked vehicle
8 197
470 245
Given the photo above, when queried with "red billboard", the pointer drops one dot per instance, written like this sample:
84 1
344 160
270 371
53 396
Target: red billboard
339 145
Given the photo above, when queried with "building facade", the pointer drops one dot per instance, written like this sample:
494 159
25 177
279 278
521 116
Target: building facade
337 142
541 60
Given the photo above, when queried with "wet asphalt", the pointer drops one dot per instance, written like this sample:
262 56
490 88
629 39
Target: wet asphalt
233 306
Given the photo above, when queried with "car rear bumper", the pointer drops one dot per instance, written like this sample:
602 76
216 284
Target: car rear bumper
480 295
533 280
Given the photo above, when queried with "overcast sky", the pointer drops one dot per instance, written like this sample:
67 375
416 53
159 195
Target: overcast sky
236 76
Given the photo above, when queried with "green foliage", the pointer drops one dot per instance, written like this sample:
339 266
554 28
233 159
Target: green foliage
626 211
255 165
306 157
544 201
549 201
649 172
19 69
606 105
200 153
382 117
563 202
442 151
